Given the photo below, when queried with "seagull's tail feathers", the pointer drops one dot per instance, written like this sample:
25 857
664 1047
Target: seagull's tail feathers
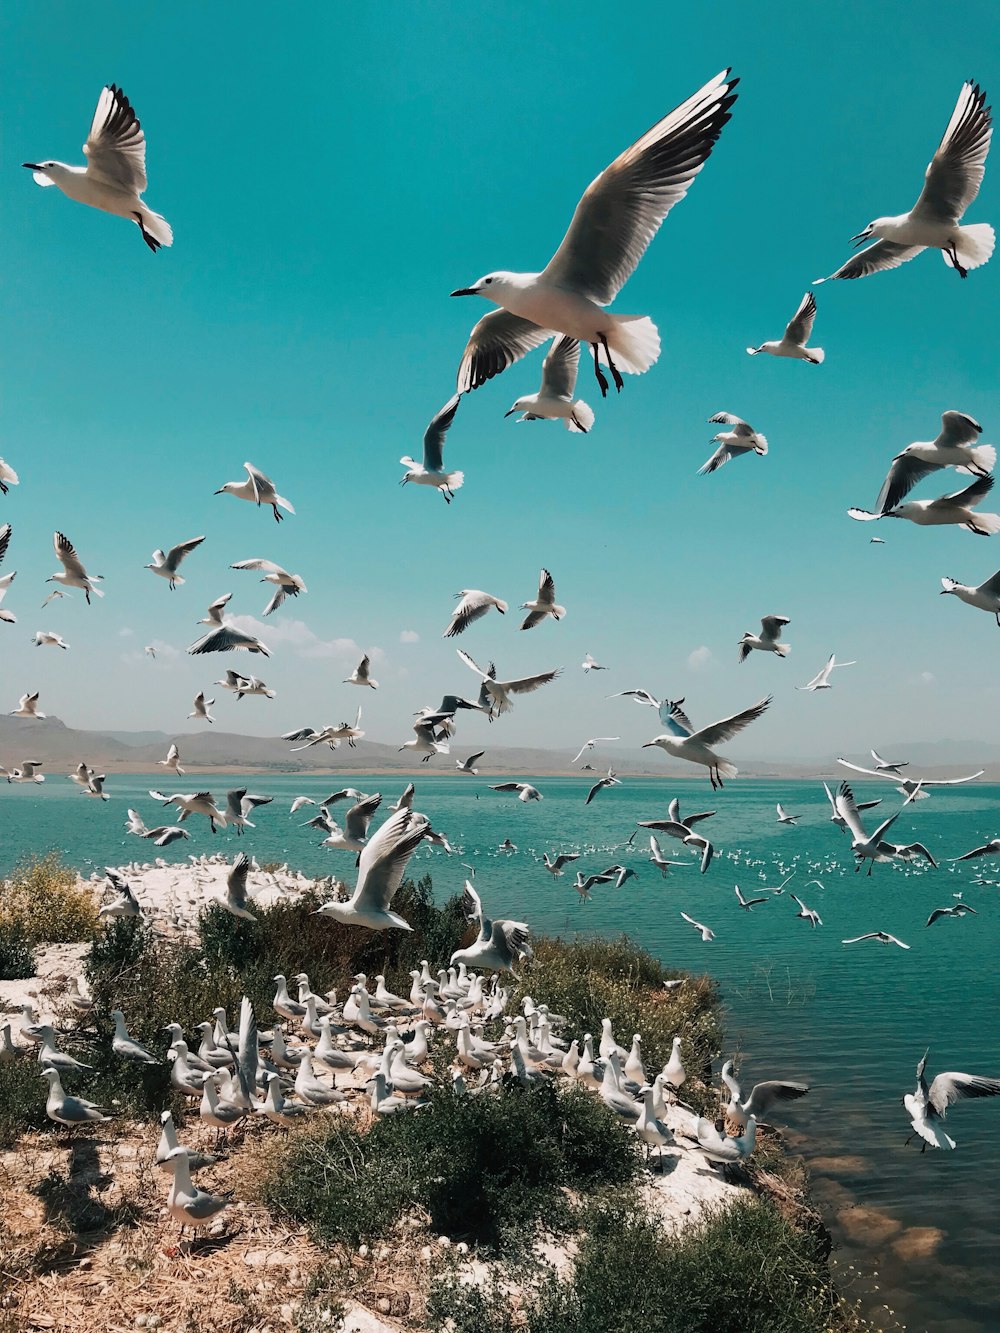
782 649
726 770
635 343
156 226
280 499
454 480
581 418
983 525
984 459
975 245
816 355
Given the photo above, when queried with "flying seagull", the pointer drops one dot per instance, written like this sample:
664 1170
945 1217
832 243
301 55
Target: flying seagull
913 787
499 944
882 936
985 596
619 214
166 563
748 904
73 574
497 693
991 848
706 933
555 865
762 1098
610 781
887 766
47 639
960 909
473 604
589 745
864 847
8 477
683 742
554 401
545 603
7 579
115 175
951 183
431 471
807 913
768 640
27 706
796 335
683 830
258 489
360 676
821 681
589 664
381 867
928 1106
285 584
228 638
525 791
201 707
784 818
469 765
742 439
954 446
958 507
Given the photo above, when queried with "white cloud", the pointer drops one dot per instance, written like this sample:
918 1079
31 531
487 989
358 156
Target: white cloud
125 633
926 678
304 642
700 659
409 636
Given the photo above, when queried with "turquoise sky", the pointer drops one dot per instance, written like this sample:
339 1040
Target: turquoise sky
331 174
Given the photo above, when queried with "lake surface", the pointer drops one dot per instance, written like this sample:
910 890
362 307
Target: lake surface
850 1020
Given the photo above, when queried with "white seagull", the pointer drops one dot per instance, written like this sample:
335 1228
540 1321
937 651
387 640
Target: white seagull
497 693
767 641
499 944
166 563
912 787
469 765
26 773
748 904
241 685
589 664
360 676
7 579
285 584
619 214
984 596
887 766
213 616
958 507
928 1106
785 818
821 681
173 759
951 183
115 175
955 446
959 909
683 742
864 847
201 707
73 573
554 401
258 489
431 471
194 803
807 913
525 791
235 900
796 335
8 477
554 865
742 439
27 706
544 605
381 866
226 638
589 745
46 638
882 936
610 781
473 604
240 805
706 933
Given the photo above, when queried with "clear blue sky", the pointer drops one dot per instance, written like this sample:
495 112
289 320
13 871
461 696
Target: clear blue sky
331 173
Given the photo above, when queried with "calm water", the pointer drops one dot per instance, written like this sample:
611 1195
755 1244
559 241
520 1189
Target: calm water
851 1021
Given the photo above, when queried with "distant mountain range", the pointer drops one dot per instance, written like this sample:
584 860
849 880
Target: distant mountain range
55 744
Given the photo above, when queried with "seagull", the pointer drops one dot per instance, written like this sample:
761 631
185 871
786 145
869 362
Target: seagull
742 439
748 904
525 791
583 886
610 781
864 847
767 641
588 664
227 638
497 692
499 944
951 183
958 507
473 605
241 685
544 605
239 805
806 913
706 933
188 1205
468 765
986 596
73 573
555 865
45 638
27 706
589 745
618 216
683 829
115 175
165 564
431 471
235 900
796 335
684 742
785 819
285 584
381 866
214 614
955 446
762 1097
885 766
554 401
637 696
26 773
93 784
149 650
8 477
195 803
662 863
991 848
882 936
960 909
426 741
126 1047
173 760
201 707
821 681
360 676
928 1106
356 822
7 579
912 787
126 904
66 1110
165 834
258 489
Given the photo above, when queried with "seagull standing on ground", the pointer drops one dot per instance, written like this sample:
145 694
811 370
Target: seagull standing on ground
821 681
166 563
928 1106
544 605
742 439
796 335
951 183
985 596
554 401
73 573
431 471
115 174
683 742
258 489
618 216
767 641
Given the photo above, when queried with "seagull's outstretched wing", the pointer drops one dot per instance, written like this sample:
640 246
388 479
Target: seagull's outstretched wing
875 259
948 1088
727 419
959 428
440 424
770 1093
496 342
622 209
904 473
472 906
559 369
236 880
800 326
473 605
116 145
68 558
955 172
383 862
718 732
225 639
177 553
674 718
529 683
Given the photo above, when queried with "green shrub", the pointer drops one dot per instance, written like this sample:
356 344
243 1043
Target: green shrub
22 1100
41 896
17 958
490 1169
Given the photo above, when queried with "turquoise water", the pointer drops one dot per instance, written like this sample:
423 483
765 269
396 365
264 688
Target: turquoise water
851 1021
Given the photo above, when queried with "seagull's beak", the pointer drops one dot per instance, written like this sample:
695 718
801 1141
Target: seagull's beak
513 409
31 166
218 492
860 239
464 291
646 745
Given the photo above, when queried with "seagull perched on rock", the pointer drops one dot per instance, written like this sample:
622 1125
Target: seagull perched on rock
381 866
959 909
73 573
258 489
882 936
928 1106
984 596
767 641
798 332
497 693
821 681
431 471
742 439
554 401
618 216
201 707
165 563
958 508
360 676
706 933
683 742
525 791
115 175
544 604
499 944
472 606
951 183
285 584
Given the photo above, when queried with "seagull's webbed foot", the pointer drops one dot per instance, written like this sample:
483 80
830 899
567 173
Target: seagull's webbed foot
277 515
601 377
615 375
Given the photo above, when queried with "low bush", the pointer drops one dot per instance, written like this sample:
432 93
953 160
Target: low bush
22 1100
17 958
489 1169
41 897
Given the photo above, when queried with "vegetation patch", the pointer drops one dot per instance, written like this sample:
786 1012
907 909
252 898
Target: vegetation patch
42 900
